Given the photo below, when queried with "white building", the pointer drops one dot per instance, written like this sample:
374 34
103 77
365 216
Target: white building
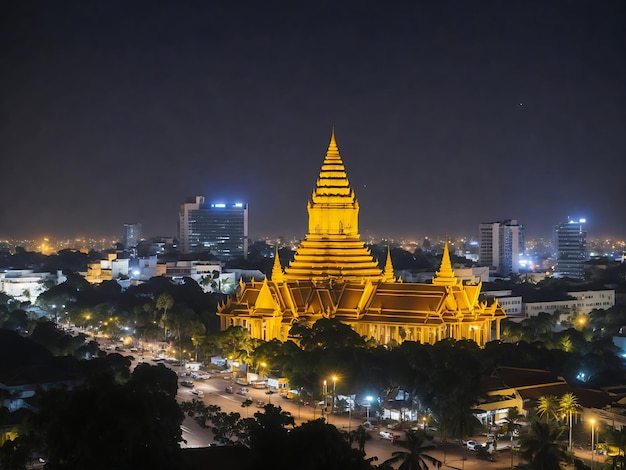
512 304
500 245
25 285
583 302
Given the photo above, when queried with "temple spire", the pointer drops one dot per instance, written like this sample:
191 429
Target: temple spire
333 149
445 275
277 270
388 275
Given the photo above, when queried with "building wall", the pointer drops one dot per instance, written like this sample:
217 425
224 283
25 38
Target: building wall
584 302
500 246
219 228
571 247
24 285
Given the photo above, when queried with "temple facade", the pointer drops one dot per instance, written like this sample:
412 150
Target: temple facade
334 275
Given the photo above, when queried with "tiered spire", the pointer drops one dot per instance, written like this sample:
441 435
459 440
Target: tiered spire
388 275
333 246
445 275
277 270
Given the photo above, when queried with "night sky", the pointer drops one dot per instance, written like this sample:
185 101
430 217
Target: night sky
446 113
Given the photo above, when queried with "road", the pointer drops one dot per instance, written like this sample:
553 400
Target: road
453 455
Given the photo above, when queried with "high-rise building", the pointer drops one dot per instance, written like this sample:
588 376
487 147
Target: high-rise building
219 228
571 247
132 235
500 245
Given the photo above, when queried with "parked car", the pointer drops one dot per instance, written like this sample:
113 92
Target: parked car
473 445
387 435
371 424
187 383
228 389
198 393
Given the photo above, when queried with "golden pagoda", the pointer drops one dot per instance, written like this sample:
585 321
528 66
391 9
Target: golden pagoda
334 275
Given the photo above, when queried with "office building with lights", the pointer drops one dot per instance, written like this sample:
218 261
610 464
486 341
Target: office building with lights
221 228
132 235
570 239
500 245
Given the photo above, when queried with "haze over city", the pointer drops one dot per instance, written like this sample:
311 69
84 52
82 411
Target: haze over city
447 114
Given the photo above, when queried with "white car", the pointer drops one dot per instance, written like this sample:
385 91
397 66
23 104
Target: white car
473 445
198 393
387 435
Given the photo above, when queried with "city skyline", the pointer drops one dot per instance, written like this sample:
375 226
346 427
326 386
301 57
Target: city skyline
446 115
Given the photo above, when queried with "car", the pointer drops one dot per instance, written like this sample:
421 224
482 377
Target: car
387 435
247 402
228 389
187 383
242 391
198 393
371 424
260 404
200 376
474 445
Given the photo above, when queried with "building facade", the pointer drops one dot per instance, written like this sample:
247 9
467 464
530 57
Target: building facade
570 239
500 246
334 275
219 228
132 235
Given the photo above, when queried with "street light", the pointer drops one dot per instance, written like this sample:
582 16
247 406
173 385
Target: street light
367 408
424 423
593 422
325 393
334 385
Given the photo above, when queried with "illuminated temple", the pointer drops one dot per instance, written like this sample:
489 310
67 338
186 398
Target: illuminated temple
334 275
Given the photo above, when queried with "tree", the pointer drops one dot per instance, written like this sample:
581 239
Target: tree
547 408
540 446
415 457
616 438
164 302
112 425
234 343
327 333
360 435
569 405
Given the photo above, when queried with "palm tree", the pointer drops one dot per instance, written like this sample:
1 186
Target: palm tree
616 438
541 448
417 443
361 436
164 302
547 407
569 405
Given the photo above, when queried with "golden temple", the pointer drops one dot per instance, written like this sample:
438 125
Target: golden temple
334 275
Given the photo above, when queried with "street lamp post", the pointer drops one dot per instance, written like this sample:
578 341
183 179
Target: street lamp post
325 393
334 385
592 441
349 413
367 408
